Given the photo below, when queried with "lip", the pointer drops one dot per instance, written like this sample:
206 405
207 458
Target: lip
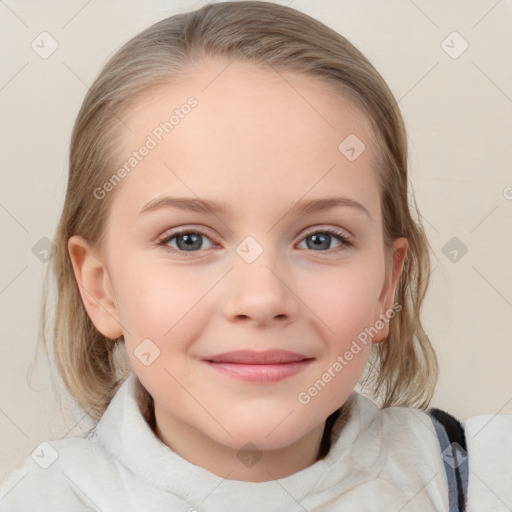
255 357
265 367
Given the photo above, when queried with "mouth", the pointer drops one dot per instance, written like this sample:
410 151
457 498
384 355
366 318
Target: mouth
264 367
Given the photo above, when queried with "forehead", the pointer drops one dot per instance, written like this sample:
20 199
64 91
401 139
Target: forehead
239 88
253 133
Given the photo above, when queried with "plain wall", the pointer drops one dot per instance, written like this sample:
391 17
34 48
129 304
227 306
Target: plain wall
458 113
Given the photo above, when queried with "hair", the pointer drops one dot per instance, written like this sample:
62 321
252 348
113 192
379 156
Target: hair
403 369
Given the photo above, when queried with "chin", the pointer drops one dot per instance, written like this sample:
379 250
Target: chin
266 431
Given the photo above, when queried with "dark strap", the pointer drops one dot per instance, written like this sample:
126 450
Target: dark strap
450 433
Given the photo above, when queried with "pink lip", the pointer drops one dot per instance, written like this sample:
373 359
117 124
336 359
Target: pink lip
268 366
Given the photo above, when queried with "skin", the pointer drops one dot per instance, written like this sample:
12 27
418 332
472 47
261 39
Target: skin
260 145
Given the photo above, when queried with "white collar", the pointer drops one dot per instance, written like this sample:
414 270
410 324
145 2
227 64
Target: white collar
128 438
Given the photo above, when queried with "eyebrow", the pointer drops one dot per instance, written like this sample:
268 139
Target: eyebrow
301 207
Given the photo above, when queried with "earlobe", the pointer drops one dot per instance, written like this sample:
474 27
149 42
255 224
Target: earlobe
95 287
394 269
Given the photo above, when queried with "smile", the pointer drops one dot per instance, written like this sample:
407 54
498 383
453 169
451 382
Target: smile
264 367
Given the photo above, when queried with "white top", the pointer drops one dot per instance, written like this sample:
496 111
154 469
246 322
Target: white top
383 459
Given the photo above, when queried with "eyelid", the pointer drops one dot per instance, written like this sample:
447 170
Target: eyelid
329 229
170 233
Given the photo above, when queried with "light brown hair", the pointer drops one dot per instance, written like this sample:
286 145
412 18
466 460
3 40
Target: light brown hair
403 369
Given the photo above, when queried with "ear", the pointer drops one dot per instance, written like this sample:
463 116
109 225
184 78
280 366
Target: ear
394 266
95 287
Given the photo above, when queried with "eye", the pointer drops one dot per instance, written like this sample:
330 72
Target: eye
321 239
186 241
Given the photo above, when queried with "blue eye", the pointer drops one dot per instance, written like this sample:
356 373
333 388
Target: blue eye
321 239
187 240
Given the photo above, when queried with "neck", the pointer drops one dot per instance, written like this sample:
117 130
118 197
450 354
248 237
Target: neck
247 465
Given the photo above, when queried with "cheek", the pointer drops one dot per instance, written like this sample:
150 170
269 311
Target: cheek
160 303
346 308
345 300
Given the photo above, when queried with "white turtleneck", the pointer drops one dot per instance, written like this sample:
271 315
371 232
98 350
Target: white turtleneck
383 459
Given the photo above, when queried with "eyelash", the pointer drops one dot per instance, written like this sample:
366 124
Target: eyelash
340 235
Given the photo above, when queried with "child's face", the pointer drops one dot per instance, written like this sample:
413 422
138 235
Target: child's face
258 144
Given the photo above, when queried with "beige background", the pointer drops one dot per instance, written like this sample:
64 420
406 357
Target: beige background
458 113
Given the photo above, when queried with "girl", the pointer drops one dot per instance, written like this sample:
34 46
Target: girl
235 255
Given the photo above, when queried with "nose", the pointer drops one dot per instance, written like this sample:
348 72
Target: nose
260 293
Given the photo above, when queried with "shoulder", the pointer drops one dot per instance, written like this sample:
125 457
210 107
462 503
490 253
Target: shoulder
405 437
55 476
414 422
401 434
396 453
